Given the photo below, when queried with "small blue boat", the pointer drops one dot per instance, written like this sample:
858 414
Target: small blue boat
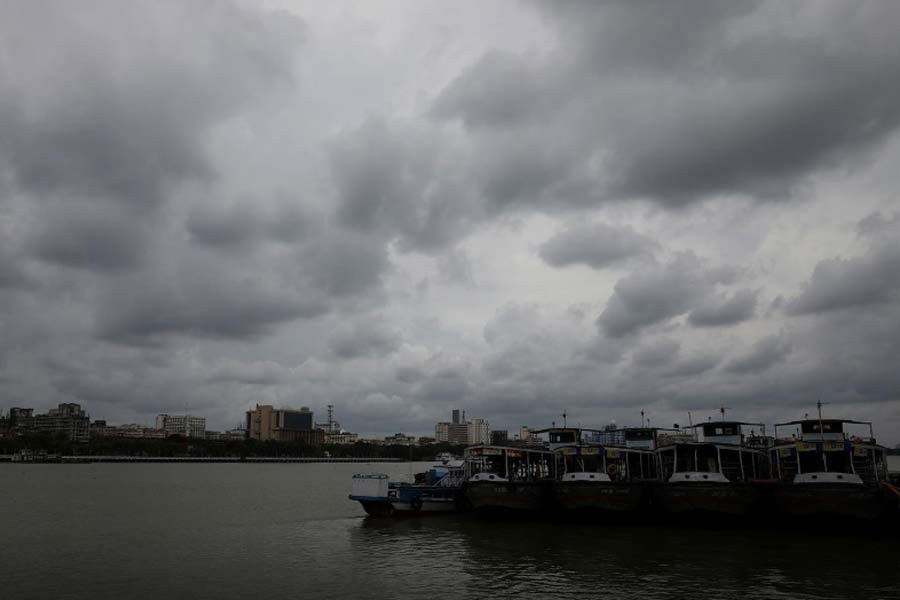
438 490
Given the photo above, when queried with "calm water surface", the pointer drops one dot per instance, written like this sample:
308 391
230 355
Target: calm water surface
267 530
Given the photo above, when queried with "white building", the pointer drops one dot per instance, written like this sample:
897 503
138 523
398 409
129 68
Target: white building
478 431
186 425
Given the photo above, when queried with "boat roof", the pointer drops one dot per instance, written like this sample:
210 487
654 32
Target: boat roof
802 421
708 423
549 429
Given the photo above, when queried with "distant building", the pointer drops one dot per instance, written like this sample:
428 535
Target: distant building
458 434
400 439
499 437
67 419
342 437
461 432
21 419
232 435
478 431
425 441
186 425
283 425
132 430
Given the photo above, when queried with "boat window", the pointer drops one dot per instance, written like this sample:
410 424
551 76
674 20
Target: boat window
811 462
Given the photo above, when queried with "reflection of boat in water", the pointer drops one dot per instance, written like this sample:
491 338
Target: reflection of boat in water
502 479
714 475
438 490
825 473
610 476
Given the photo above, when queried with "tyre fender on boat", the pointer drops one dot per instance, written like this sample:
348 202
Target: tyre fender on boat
415 503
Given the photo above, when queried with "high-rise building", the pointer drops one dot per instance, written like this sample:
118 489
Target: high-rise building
442 431
68 419
455 415
499 437
478 431
21 419
186 425
283 425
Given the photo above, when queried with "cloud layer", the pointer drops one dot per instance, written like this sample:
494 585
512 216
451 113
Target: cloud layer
517 210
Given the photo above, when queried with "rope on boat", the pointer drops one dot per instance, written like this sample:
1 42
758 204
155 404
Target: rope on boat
891 487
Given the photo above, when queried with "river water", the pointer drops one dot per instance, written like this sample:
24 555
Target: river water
227 531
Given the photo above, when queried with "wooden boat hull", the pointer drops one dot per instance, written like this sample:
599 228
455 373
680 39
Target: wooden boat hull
724 499
806 501
603 497
521 497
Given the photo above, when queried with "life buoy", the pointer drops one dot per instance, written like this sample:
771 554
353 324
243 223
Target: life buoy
415 503
612 470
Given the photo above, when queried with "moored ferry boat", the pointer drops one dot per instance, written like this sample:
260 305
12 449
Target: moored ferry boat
438 490
609 476
506 480
825 473
714 475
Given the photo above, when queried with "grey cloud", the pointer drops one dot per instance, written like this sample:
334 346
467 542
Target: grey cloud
366 338
767 94
242 225
846 283
597 246
472 97
741 306
694 365
120 111
198 301
400 182
764 354
346 263
651 296
657 354
454 266
87 236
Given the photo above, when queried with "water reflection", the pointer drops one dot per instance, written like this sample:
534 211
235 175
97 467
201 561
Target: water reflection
549 559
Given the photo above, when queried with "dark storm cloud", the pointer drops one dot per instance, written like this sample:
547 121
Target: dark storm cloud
113 100
677 101
198 298
596 245
87 236
741 306
656 354
366 338
347 263
764 354
849 283
651 296
693 366
246 224
400 182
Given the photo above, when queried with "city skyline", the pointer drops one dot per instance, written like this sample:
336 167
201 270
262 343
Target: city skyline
520 208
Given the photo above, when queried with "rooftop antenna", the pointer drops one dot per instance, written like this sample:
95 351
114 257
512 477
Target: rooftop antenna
642 417
819 408
565 425
722 410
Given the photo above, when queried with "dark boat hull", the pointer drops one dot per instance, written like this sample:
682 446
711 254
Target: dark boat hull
506 497
599 498
723 499
812 501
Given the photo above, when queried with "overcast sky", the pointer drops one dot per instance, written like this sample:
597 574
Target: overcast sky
512 208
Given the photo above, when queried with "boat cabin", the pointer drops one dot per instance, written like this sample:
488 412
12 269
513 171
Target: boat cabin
559 437
606 464
722 455
821 451
502 463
